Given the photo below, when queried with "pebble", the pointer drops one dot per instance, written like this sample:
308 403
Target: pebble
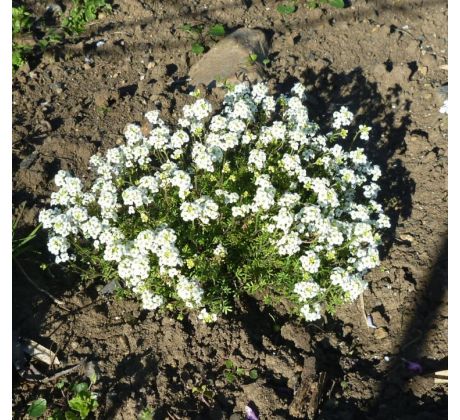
380 333
229 57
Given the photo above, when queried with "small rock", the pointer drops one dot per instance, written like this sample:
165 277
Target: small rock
423 70
101 98
346 330
229 59
74 345
406 237
378 319
380 333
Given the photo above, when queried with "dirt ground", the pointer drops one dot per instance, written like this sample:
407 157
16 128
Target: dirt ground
385 60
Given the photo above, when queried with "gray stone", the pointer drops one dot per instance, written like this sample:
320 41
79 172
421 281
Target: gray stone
229 60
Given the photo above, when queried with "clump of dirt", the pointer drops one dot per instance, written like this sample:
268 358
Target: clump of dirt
388 64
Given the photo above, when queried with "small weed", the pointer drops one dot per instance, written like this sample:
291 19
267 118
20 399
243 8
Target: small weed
233 372
197 32
203 392
217 30
338 4
37 408
252 58
22 20
286 8
20 245
20 55
146 414
80 400
197 48
83 12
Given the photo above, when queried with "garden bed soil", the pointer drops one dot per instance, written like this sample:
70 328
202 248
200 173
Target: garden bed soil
386 61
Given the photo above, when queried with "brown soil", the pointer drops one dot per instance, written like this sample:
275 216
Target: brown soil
386 60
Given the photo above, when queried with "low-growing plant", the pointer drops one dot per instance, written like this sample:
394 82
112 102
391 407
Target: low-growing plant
83 12
252 199
232 372
287 8
338 4
146 414
79 402
22 20
199 36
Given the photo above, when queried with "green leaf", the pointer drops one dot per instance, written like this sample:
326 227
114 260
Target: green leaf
253 374
80 387
339 4
197 48
61 384
230 377
146 414
217 30
229 364
240 371
57 415
192 29
253 57
286 9
37 408
70 415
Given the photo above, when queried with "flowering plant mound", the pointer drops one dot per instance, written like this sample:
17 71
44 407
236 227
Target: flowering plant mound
251 200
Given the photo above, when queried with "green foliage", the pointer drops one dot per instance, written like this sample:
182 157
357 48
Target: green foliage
192 29
37 408
20 55
197 48
217 30
338 4
252 58
84 401
233 372
146 414
83 12
81 402
286 8
22 20
200 38
20 245
203 391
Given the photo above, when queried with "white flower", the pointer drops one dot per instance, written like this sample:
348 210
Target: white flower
310 262
306 290
220 251
311 312
207 317
257 158
364 131
151 301
342 118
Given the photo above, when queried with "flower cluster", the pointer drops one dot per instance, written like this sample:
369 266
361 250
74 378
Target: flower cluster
251 199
